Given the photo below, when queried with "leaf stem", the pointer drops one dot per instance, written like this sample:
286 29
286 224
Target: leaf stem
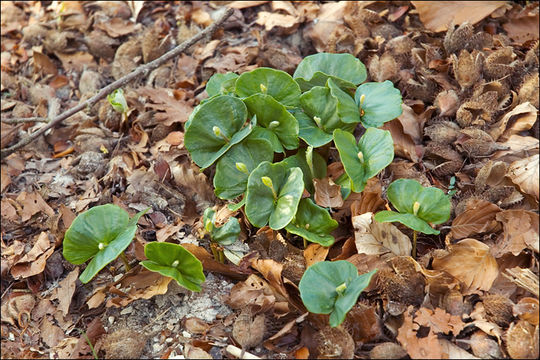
125 260
414 244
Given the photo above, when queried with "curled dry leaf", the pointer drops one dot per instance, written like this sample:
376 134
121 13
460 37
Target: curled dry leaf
517 146
483 346
286 23
478 217
327 193
524 173
315 253
32 204
404 145
527 309
471 262
522 340
254 292
248 331
15 305
522 117
520 231
374 238
34 262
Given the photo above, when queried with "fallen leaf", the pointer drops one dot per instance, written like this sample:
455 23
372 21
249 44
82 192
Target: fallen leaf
439 321
50 333
138 284
286 23
246 4
15 306
44 63
527 309
254 292
520 230
518 147
193 352
327 193
427 347
523 27
471 262
248 331
452 351
315 253
33 262
437 15
522 117
32 204
210 264
524 173
522 340
175 108
374 238
478 217
117 27
65 290
404 145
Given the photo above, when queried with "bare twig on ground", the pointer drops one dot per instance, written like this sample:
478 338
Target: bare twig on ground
141 70
25 120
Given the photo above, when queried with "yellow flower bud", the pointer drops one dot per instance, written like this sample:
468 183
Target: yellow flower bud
217 131
264 89
360 156
274 124
102 246
175 263
267 181
240 166
416 207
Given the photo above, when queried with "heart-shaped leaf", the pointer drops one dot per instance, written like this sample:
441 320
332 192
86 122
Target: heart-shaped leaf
274 116
322 117
312 166
379 103
216 125
273 193
314 70
226 234
276 83
233 168
101 233
332 287
417 206
362 161
174 261
263 133
346 107
221 84
313 223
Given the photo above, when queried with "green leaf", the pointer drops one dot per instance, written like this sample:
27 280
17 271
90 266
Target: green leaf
187 271
108 225
300 160
346 107
221 84
313 223
216 126
263 133
319 288
118 101
262 206
235 207
309 131
276 83
381 103
432 205
229 181
345 182
314 70
226 234
275 117
362 161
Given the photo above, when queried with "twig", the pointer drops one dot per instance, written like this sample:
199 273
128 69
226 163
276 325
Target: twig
237 352
24 120
142 70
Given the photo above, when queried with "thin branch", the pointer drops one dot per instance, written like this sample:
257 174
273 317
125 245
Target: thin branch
142 70
24 120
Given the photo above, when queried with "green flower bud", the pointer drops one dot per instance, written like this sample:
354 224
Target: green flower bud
317 120
240 166
175 263
268 182
341 288
118 101
208 225
102 246
217 131
274 124
264 89
360 156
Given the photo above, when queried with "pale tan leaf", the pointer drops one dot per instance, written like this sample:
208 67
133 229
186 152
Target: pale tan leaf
404 145
437 15
315 253
327 193
478 217
524 173
270 20
453 351
520 231
374 238
50 333
411 123
523 28
32 204
517 146
64 292
439 321
246 4
471 262
522 117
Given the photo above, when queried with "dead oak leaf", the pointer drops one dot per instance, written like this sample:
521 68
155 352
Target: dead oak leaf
327 193
520 231
439 321
471 262
418 348
175 108
33 203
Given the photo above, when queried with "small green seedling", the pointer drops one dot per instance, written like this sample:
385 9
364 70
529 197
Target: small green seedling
275 83
226 234
417 206
221 84
378 103
332 287
101 234
174 261
119 103
313 223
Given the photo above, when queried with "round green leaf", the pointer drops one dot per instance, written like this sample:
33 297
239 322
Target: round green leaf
314 70
409 220
275 117
362 161
268 135
188 270
228 233
224 113
382 103
315 169
229 181
276 83
313 223
108 225
261 206
221 84
319 284
310 132
346 107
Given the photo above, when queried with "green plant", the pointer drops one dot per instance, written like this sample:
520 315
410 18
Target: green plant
226 234
417 206
176 262
119 103
101 234
332 287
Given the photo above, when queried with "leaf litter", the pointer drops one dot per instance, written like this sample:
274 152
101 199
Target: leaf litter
469 79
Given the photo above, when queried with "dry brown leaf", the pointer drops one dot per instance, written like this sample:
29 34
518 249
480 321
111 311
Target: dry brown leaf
520 231
246 4
517 145
483 346
437 15
64 292
247 331
439 321
32 204
411 124
44 63
193 352
190 178
427 347
404 145
478 217
365 324
527 309
315 253
452 351
523 28
33 262
522 117
254 292
16 306
327 193
210 264
8 211
522 340
524 173
50 333
175 107
5 178
471 262
287 23
374 238
117 27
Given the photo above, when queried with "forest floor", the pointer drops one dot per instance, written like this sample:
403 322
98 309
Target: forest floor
468 74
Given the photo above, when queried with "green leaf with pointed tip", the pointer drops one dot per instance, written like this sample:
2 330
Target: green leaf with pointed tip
382 103
345 182
433 205
261 206
300 160
188 271
226 234
314 70
377 151
268 135
318 288
269 111
313 223
230 182
221 84
276 83
346 107
108 225
226 113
